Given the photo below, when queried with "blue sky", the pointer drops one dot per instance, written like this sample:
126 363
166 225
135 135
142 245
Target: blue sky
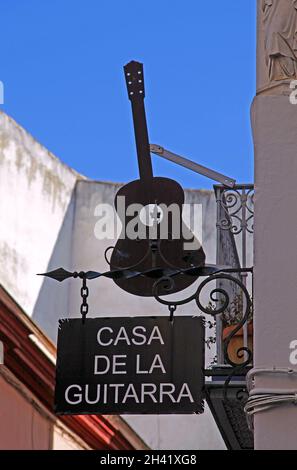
61 65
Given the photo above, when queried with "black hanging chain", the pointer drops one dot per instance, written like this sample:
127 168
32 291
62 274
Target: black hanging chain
84 292
172 309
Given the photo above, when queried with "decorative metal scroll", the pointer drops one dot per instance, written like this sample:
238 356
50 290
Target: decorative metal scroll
237 205
221 298
168 284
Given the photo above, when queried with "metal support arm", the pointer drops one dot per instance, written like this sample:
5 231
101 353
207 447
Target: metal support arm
201 170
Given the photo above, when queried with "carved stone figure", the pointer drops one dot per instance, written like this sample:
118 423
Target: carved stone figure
280 24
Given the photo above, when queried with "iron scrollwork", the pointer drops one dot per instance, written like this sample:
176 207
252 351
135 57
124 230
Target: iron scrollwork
221 299
238 207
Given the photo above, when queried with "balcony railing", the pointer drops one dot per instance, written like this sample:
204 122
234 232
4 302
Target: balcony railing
235 217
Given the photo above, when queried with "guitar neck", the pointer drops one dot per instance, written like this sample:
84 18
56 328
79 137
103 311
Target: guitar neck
142 141
135 84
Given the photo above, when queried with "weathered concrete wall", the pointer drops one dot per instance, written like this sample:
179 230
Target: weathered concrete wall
35 207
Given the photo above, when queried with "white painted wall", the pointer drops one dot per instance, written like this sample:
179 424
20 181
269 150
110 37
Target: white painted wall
47 221
35 205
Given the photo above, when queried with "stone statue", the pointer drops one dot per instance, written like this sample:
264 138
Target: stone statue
280 29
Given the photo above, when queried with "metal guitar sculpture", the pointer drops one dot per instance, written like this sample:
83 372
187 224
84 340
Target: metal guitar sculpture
153 234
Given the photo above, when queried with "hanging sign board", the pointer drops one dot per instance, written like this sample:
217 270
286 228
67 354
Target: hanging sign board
130 365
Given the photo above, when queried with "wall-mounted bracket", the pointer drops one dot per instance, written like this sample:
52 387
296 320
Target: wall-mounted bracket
201 170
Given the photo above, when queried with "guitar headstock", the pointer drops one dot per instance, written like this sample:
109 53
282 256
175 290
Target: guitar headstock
134 80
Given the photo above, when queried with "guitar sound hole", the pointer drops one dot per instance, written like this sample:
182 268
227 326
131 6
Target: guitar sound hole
151 215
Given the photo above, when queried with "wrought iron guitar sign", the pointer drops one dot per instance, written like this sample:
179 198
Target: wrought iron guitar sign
154 234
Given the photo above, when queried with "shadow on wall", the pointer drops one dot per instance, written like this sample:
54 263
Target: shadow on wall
52 301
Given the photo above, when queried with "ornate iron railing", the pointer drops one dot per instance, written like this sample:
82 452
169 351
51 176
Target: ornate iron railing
235 216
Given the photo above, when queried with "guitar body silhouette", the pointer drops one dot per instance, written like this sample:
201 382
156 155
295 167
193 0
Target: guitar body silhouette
153 234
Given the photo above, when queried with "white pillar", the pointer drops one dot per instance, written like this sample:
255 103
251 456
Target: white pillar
274 121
